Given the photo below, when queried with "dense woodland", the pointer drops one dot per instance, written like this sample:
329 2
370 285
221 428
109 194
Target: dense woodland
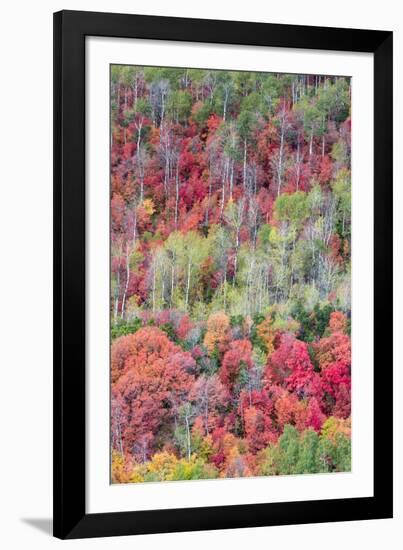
230 274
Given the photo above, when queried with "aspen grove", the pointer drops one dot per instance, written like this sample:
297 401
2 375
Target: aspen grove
230 274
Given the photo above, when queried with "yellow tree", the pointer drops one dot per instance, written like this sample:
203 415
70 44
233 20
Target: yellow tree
266 333
217 328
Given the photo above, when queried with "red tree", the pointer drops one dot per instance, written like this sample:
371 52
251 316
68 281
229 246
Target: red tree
238 355
155 380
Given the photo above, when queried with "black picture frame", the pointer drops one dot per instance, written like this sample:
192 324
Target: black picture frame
70 517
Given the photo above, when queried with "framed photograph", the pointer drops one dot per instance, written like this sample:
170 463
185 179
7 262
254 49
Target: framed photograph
223 274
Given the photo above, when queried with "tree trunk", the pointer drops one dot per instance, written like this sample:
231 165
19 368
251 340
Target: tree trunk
188 437
280 162
231 179
225 106
206 219
154 283
162 109
176 193
139 127
141 183
119 437
135 91
115 314
311 144
127 282
298 164
223 189
172 279
225 289
188 284
244 163
166 174
206 409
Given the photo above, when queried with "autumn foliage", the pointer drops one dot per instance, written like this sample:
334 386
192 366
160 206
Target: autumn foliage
230 274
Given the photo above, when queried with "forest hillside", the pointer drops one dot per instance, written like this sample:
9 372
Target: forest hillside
230 274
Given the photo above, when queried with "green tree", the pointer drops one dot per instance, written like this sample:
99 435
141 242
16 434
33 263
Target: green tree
313 118
289 450
292 208
179 106
307 460
180 273
246 123
342 189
